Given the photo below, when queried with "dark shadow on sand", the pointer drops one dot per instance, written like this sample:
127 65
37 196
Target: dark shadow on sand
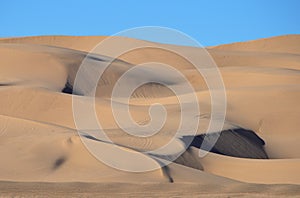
233 142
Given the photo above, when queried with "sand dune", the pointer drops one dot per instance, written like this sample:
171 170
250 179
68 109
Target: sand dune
39 141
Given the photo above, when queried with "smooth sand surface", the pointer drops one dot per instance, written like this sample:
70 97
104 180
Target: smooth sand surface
42 153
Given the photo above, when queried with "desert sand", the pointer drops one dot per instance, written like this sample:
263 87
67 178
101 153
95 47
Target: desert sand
42 153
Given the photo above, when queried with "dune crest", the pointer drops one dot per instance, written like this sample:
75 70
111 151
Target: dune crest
39 141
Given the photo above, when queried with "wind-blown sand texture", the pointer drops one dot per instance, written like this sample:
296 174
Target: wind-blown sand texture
257 154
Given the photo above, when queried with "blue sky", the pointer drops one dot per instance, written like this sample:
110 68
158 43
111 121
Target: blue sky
211 22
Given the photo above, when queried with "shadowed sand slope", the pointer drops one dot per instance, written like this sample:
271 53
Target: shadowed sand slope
39 142
237 143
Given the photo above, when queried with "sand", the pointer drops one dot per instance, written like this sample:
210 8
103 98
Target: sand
42 153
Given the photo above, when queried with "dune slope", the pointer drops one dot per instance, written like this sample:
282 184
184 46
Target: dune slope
259 143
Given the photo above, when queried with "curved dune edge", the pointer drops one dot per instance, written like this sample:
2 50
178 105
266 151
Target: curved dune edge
268 171
38 140
62 157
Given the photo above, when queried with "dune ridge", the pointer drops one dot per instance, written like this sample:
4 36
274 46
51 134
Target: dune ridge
39 141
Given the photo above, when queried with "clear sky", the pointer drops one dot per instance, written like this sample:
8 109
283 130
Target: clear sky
211 22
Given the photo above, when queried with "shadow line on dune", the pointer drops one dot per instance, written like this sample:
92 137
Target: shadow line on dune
238 142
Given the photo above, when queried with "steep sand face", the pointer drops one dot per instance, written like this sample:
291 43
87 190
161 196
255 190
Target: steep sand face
38 137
